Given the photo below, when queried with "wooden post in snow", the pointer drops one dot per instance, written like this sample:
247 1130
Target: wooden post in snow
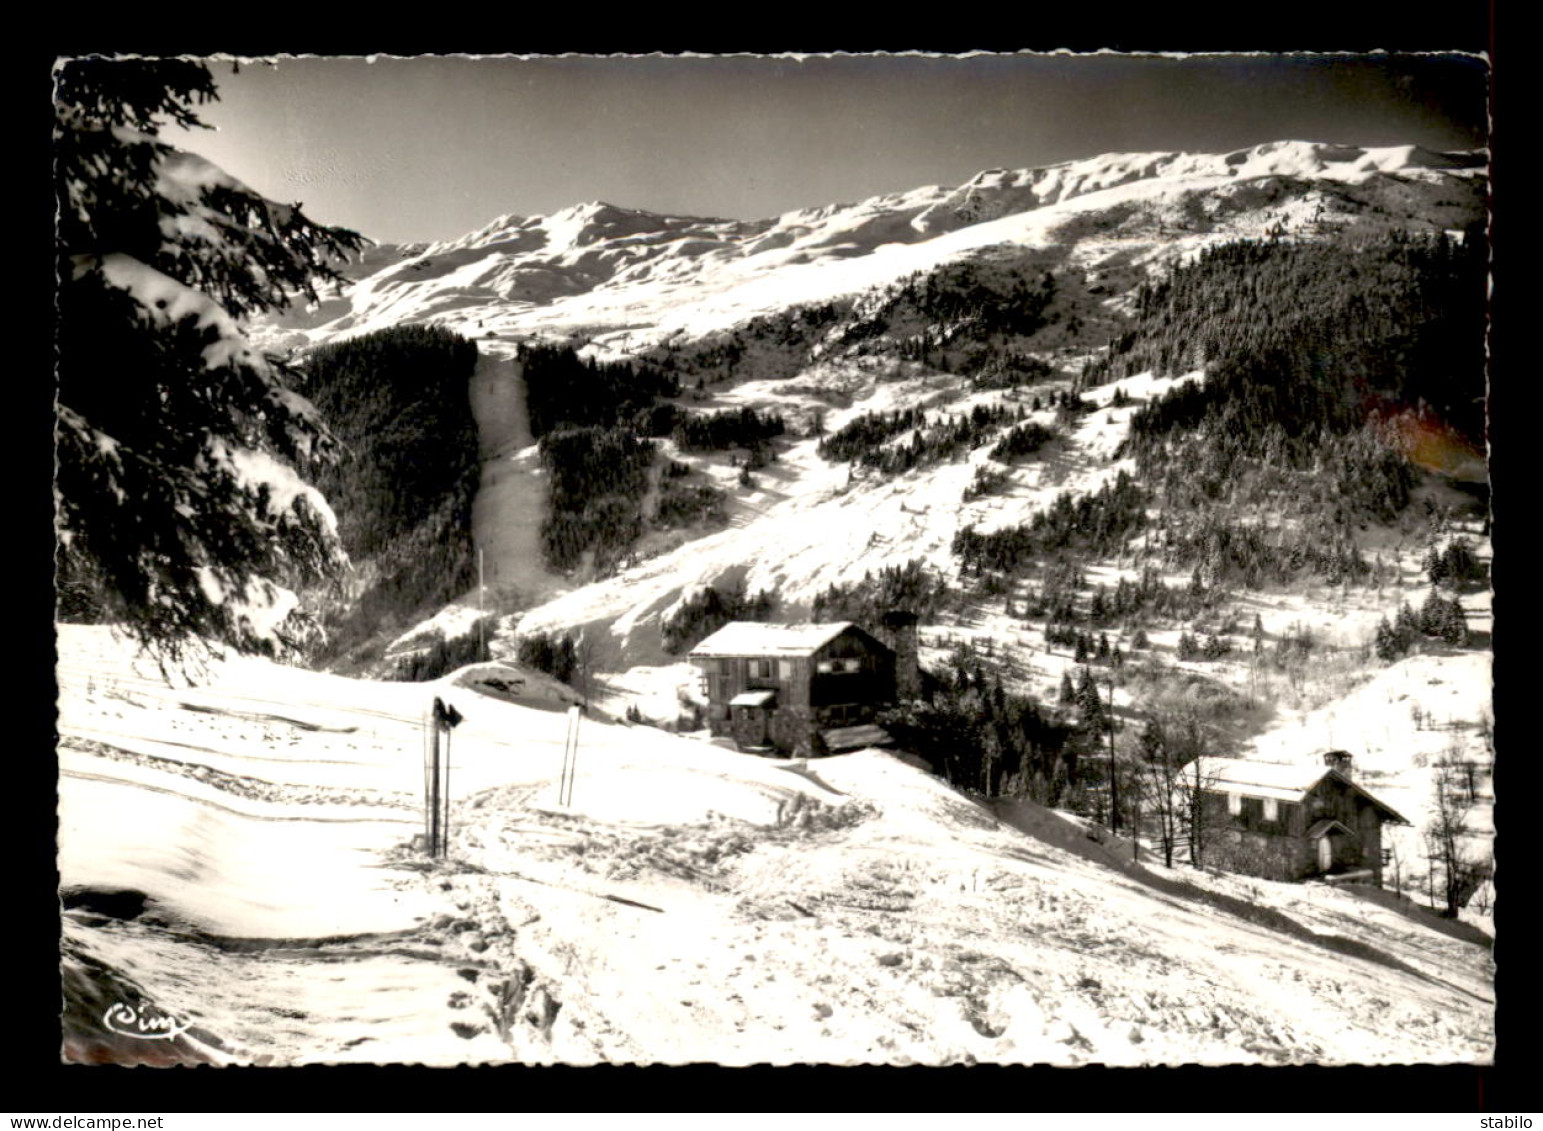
433 798
429 778
443 718
570 757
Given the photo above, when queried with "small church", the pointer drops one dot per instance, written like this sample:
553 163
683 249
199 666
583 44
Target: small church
1292 822
803 689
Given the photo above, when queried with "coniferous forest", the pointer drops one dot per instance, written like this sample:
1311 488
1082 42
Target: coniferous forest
1319 358
703 613
599 476
565 389
594 421
403 486
946 436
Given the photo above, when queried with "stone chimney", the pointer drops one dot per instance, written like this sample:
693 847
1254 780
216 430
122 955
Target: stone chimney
900 627
1338 760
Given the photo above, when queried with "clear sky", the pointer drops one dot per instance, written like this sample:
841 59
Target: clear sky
433 147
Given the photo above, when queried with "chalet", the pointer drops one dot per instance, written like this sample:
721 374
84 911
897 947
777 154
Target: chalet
1292 822
802 688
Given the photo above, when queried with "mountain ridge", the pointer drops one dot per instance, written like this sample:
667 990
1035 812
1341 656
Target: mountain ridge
600 270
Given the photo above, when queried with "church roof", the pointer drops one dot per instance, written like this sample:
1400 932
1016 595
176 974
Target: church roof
1277 781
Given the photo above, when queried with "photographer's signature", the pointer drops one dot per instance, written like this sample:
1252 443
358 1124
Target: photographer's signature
143 1021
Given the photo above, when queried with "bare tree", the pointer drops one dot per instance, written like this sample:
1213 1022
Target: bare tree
1197 782
1160 786
1172 783
1447 848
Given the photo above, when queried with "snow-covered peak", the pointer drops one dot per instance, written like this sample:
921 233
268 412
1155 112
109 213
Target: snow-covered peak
994 193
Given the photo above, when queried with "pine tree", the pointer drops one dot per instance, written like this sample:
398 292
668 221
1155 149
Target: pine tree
1435 565
1454 625
1406 626
1098 609
1460 565
1387 642
1089 705
179 506
1067 696
1433 614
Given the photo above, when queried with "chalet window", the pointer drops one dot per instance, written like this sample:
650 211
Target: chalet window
725 667
760 669
1270 811
1235 804
784 669
829 666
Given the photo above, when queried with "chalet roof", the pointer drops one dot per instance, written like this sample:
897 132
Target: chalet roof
752 638
1277 781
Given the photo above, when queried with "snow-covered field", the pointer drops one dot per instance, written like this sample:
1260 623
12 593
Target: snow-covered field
691 904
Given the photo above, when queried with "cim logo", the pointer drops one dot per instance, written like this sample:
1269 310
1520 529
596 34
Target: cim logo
145 1023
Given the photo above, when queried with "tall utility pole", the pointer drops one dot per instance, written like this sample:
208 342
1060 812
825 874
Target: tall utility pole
1114 778
482 629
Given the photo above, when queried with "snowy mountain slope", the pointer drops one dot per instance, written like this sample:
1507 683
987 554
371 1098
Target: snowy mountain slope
810 523
629 282
597 268
693 904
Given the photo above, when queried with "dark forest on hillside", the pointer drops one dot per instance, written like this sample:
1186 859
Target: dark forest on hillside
1317 357
599 476
403 487
565 389
1314 355
594 421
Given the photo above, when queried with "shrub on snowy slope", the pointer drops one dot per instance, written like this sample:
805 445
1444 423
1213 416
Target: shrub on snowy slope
443 656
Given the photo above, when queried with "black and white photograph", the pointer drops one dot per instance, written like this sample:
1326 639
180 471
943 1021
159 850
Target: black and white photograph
832 559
